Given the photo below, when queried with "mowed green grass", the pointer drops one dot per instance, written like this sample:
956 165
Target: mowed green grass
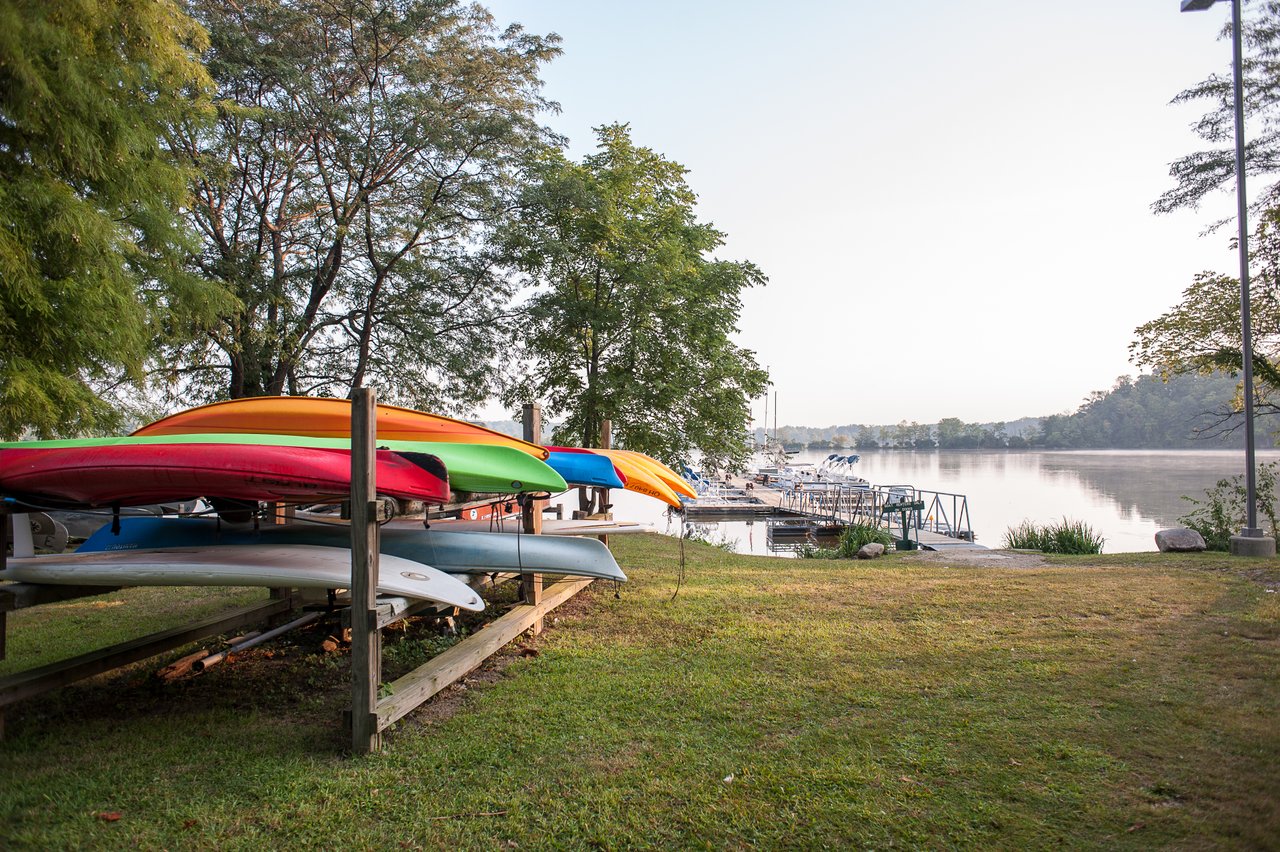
1099 702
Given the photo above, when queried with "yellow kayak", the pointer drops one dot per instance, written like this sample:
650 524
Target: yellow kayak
641 478
668 476
324 417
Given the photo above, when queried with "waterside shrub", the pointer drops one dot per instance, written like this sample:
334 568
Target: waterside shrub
851 541
1221 514
1065 536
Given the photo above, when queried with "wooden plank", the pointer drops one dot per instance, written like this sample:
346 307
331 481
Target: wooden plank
425 681
44 678
366 640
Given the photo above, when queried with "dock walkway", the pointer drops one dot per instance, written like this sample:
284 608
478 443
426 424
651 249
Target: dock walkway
942 525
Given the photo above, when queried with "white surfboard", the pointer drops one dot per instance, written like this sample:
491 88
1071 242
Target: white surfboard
292 566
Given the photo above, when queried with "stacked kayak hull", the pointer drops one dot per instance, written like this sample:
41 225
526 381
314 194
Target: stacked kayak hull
287 565
639 478
322 417
134 475
669 477
451 552
586 469
485 468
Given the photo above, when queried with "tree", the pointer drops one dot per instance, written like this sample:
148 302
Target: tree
631 320
1198 174
89 238
362 154
1202 333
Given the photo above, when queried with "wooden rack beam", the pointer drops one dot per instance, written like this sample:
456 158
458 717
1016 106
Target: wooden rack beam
44 678
425 681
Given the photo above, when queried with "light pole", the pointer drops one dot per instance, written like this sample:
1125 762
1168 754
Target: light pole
1250 541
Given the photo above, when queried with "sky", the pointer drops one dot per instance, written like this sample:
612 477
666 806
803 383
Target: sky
951 200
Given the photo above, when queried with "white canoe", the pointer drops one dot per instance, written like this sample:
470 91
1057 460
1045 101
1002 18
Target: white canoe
292 566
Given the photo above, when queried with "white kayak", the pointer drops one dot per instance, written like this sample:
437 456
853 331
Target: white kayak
292 566
550 526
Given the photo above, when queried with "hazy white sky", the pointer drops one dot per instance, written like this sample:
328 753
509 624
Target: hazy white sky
951 199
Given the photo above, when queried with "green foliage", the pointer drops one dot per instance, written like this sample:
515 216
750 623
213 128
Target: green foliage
851 541
1025 536
1065 536
856 535
362 153
90 241
1199 174
1179 411
1203 332
1223 512
631 320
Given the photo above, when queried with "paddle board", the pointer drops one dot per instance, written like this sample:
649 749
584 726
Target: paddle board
286 565
482 468
140 474
449 551
323 417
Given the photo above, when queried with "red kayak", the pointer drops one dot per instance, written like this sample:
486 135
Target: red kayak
142 474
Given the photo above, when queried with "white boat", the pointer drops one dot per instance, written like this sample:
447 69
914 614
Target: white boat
836 471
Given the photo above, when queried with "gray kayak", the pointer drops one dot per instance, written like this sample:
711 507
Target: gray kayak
451 552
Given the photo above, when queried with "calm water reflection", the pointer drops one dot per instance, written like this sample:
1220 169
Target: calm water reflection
1124 495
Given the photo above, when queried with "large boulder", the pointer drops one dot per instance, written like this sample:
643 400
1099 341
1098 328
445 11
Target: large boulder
870 550
1180 540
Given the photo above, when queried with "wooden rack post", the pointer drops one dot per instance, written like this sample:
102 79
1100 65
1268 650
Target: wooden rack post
531 584
602 494
366 640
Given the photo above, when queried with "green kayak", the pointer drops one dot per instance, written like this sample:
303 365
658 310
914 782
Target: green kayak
479 468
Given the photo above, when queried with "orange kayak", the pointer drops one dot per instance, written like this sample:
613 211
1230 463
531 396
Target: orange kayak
672 479
324 417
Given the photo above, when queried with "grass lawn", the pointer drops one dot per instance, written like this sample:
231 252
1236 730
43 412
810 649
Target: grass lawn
1120 701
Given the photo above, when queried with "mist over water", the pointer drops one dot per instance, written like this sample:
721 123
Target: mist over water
1125 495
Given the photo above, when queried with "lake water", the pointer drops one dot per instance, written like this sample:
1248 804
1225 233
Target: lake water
1125 495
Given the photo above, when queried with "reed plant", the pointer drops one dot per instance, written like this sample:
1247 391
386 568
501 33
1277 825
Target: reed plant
1065 536
856 535
851 541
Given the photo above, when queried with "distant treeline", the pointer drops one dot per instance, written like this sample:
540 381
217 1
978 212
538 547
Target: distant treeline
1188 411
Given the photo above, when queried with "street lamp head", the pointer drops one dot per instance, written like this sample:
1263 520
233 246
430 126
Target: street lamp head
1196 5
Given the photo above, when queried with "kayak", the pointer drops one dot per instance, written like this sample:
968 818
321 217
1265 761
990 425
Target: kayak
586 469
550 526
134 475
324 417
639 478
673 480
451 552
479 468
287 565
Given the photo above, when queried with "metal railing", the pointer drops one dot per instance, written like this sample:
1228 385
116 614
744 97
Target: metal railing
944 513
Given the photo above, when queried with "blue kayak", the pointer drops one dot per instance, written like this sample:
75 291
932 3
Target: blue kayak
585 469
451 552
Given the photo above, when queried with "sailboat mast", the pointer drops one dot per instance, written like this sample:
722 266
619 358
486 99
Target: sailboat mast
765 442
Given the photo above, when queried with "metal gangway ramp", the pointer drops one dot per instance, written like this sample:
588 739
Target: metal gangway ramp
937 520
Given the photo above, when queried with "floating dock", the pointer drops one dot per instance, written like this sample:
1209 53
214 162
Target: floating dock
933 520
